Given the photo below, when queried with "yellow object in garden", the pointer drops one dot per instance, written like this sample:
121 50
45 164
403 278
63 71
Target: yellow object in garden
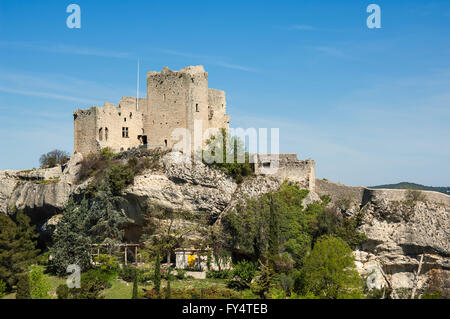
191 261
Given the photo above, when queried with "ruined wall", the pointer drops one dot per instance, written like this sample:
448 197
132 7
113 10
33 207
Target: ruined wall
85 131
109 126
287 167
217 109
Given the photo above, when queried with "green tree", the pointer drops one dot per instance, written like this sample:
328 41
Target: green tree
157 279
2 288
53 158
96 221
23 287
228 153
71 244
263 282
329 270
135 285
39 284
275 219
17 246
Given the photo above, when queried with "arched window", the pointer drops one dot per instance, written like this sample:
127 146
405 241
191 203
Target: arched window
100 134
165 143
106 133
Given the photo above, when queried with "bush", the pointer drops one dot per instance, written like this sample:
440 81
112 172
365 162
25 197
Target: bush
181 274
219 274
39 284
2 288
23 287
107 263
242 275
195 293
54 158
100 277
43 259
62 292
127 273
329 270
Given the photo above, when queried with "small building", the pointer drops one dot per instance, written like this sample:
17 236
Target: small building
197 260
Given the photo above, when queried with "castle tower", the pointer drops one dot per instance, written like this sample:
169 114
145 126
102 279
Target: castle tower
175 99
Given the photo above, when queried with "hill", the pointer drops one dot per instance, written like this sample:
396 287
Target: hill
405 185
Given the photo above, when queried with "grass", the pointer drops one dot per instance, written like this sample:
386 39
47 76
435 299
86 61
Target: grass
123 290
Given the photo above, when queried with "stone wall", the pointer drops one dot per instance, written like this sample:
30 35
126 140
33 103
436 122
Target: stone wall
175 99
287 167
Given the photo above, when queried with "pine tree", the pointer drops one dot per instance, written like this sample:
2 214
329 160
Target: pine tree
17 246
71 244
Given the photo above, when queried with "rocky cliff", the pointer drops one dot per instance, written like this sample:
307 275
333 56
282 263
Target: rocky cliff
400 229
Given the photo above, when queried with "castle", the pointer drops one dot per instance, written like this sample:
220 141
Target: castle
175 99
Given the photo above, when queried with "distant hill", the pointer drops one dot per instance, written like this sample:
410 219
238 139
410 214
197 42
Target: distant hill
405 185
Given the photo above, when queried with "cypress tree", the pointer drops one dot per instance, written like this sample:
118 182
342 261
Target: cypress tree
157 280
274 230
135 285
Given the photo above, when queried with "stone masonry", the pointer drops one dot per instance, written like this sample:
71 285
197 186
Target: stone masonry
175 99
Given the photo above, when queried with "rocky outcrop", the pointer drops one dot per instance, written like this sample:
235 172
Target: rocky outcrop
401 226
41 193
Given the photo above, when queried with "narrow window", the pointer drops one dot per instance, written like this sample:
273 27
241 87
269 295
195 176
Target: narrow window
196 108
125 132
124 119
106 133
100 134
165 143
131 115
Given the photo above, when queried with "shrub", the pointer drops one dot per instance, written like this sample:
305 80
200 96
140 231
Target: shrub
53 158
414 195
99 277
23 287
39 284
181 274
119 176
329 270
107 263
242 275
43 259
2 288
195 293
219 274
127 273
62 292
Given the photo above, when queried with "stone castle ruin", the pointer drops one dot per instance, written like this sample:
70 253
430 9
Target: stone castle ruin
175 99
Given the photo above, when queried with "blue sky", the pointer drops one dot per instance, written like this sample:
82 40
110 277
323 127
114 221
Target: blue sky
371 106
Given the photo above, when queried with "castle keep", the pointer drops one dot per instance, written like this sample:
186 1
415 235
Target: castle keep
175 99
